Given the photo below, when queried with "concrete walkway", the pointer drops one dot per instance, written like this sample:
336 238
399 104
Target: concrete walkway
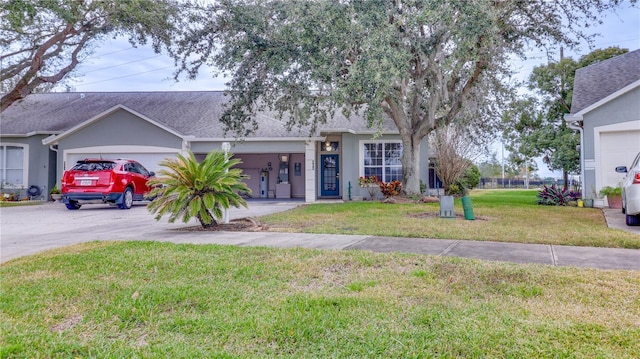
32 229
602 258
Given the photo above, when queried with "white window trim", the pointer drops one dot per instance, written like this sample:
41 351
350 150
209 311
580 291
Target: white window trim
25 162
361 144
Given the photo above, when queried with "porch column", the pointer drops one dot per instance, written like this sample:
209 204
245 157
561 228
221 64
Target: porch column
310 171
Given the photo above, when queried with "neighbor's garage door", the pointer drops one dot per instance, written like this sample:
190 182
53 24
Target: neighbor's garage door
150 161
617 149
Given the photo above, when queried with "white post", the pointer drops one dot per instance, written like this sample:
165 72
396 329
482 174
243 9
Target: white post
226 146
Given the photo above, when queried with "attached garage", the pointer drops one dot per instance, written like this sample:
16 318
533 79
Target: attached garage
149 156
615 145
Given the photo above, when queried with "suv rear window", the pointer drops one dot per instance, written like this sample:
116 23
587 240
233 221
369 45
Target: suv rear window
93 166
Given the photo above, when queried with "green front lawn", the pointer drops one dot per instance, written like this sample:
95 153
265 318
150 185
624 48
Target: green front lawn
501 215
163 300
20 203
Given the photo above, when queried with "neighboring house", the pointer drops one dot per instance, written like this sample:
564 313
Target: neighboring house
606 110
45 134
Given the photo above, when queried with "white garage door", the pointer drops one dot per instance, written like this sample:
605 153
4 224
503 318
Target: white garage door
148 158
617 149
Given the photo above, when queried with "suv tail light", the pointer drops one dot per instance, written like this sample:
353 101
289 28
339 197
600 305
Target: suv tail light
636 178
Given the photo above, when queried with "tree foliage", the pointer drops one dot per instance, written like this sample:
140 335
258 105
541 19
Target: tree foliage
535 125
42 41
416 62
490 168
187 189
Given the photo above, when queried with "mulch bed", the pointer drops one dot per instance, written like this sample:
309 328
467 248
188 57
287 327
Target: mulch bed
235 225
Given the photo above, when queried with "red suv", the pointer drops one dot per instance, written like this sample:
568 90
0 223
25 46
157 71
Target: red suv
116 182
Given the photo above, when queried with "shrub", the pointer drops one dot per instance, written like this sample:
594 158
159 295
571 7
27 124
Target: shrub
471 177
423 187
575 195
469 180
554 196
457 190
390 189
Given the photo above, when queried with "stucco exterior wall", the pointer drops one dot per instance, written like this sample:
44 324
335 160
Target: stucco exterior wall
622 109
39 163
121 128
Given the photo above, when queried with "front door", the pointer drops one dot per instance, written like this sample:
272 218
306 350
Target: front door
330 176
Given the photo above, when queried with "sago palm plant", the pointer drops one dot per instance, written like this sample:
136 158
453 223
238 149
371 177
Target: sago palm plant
187 189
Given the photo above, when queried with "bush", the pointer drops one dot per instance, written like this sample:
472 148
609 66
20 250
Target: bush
575 195
554 196
390 189
457 190
471 177
469 180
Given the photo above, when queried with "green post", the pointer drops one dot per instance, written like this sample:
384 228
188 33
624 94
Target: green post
468 210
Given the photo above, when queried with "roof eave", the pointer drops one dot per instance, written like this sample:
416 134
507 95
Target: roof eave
257 139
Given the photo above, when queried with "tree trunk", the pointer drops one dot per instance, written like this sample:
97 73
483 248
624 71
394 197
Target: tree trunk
411 165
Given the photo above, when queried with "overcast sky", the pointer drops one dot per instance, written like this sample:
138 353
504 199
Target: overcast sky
116 66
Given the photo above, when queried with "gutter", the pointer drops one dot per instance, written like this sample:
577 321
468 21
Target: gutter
574 122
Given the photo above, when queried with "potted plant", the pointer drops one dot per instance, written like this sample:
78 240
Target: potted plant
55 193
371 185
614 196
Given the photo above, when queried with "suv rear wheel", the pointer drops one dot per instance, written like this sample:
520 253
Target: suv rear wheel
73 205
127 199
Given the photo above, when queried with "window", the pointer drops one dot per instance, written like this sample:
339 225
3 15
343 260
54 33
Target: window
12 166
382 159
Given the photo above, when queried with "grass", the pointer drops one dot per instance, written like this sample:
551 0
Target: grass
20 203
505 216
149 299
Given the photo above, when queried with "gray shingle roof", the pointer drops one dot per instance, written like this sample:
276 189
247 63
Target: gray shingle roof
188 113
595 82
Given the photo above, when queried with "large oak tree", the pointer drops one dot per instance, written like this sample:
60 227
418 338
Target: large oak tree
417 62
42 41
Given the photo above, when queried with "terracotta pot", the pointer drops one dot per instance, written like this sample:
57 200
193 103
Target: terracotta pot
615 201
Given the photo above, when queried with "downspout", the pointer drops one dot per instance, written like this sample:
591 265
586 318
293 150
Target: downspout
577 125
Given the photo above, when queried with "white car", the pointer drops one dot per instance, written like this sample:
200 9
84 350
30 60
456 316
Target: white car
631 191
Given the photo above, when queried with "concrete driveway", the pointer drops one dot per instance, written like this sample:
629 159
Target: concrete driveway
615 219
31 229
